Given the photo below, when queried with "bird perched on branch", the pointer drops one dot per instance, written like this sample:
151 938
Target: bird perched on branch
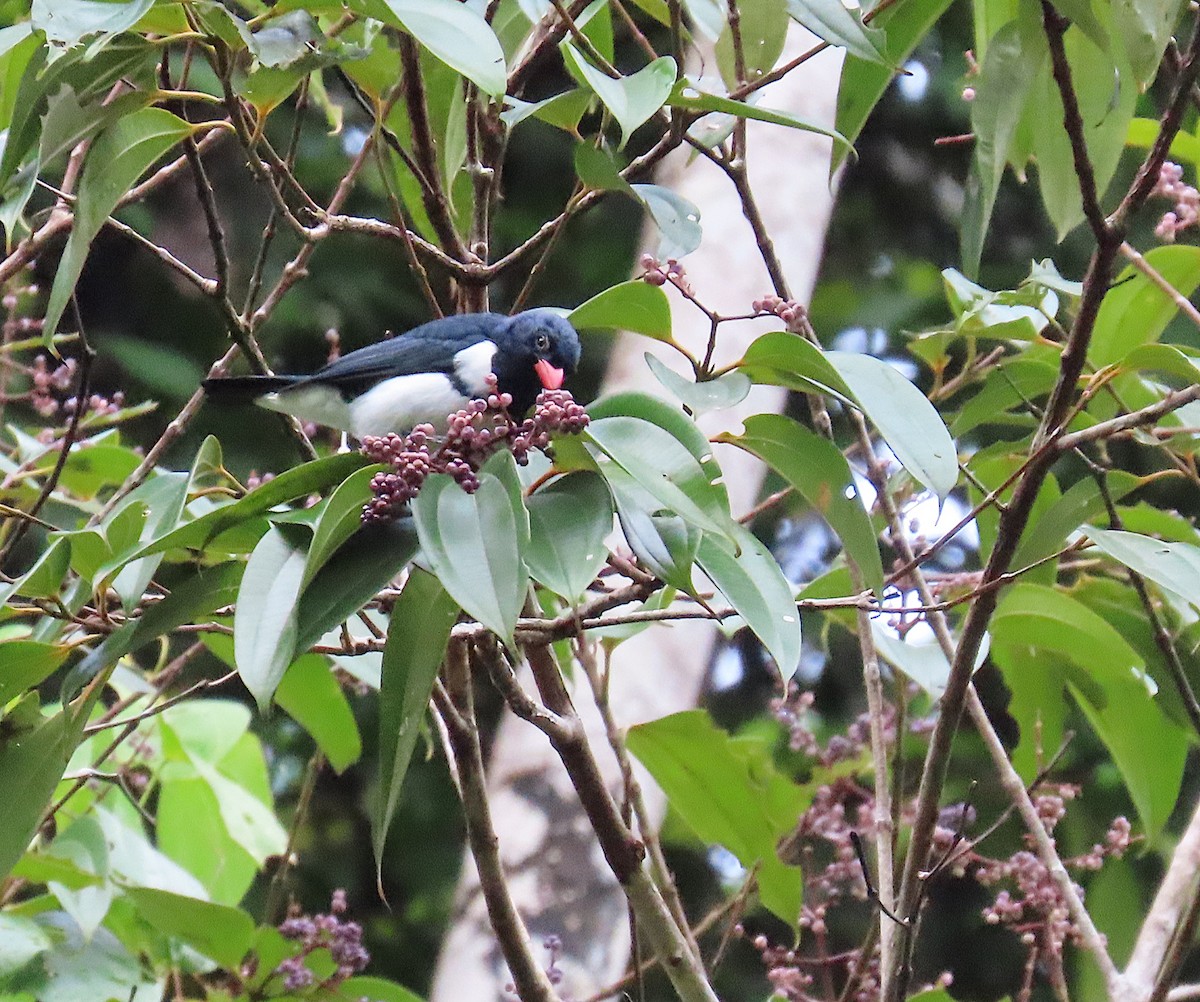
422 376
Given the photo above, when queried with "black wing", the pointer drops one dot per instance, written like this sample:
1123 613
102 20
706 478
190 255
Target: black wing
428 348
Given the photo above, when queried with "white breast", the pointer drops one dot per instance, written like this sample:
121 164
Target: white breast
399 403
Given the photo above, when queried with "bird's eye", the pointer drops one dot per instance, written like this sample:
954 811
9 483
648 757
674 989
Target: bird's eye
541 342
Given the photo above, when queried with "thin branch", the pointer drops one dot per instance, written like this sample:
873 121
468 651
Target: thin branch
1055 27
531 982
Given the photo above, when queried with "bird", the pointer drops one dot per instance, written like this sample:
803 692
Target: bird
422 376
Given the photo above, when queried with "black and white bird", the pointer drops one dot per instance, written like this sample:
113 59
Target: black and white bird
422 376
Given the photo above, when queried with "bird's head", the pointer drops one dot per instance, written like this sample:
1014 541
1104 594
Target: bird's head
543 341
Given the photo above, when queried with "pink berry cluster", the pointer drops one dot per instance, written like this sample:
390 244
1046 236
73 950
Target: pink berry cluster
655 272
789 311
1031 903
473 435
329 932
1186 213
1026 899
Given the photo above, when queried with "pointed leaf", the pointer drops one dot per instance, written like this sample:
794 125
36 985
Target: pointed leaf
710 395
117 158
265 624
417 636
632 99
677 219
906 419
631 306
728 797
840 24
662 466
754 585
568 521
455 33
817 469
311 696
472 544
688 95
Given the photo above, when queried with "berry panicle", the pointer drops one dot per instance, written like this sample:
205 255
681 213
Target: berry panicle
473 435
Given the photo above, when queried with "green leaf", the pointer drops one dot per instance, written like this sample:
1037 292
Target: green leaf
285 39
1136 311
671 419
221 933
1107 93
191 832
1174 566
161 498
784 359
455 33
632 99
418 633
206 590
816 468
1143 133
569 520
251 823
83 843
1013 58
375 989
710 395
311 696
1078 505
117 158
1109 682
32 759
1166 358
727 795
906 419
265 625
665 543
472 544
26 663
67 24
300 481
563 111
29 83
340 519
677 219
599 169
631 306
752 582
763 29
863 82
838 24
45 577
21 940
663 467
1144 27
688 95
1010 385
364 564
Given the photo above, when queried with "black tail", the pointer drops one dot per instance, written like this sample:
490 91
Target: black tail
244 389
